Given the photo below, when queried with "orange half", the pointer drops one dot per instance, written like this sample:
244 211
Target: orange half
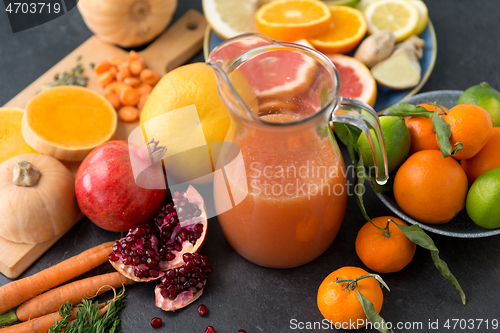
289 20
347 29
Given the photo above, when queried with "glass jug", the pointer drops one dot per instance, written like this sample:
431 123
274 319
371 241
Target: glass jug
288 188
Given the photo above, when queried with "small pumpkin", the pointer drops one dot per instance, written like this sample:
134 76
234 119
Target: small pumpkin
37 199
128 23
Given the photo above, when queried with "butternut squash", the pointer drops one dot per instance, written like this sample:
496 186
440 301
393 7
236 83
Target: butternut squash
67 122
37 199
127 23
11 139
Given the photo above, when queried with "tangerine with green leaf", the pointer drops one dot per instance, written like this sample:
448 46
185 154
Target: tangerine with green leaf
423 136
429 188
470 125
338 301
383 247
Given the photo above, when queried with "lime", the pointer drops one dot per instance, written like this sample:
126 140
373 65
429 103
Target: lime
483 198
397 142
486 97
350 3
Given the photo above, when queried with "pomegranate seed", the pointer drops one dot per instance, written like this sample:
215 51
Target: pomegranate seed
210 329
156 322
202 310
242 331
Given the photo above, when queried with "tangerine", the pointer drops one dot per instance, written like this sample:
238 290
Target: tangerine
422 132
430 188
289 20
487 159
471 125
347 29
383 247
338 301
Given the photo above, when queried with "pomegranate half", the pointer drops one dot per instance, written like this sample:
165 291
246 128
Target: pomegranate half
154 247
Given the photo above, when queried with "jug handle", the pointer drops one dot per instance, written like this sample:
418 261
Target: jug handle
364 117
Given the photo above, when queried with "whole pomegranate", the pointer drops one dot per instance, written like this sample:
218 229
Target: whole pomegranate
107 191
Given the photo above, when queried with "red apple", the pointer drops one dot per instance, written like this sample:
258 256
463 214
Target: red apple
107 191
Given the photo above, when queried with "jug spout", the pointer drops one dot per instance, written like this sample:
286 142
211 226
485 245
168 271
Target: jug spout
234 86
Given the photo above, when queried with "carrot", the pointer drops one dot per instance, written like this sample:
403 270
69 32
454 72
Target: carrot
73 292
136 67
113 99
150 76
113 70
144 88
120 86
105 78
128 114
132 55
16 292
117 60
132 81
129 97
142 100
102 67
37 325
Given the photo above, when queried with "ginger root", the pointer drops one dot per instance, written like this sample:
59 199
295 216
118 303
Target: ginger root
376 48
402 69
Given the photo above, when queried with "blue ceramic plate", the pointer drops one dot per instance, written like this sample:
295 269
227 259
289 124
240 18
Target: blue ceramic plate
461 225
385 96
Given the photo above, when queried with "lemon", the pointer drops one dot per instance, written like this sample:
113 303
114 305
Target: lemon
185 114
423 16
399 16
486 97
483 198
229 18
397 142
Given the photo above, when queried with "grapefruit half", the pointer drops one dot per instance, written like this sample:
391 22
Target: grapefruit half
356 80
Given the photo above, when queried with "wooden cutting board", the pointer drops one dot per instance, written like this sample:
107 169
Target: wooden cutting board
179 43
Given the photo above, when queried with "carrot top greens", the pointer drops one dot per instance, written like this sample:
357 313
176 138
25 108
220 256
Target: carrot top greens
89 318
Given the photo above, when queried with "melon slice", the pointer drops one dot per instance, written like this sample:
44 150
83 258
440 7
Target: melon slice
11 139
67 122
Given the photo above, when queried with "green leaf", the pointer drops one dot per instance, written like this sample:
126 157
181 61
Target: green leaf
359 183
445 271
380 280
352 145
443 133
418 236
371 314
405 110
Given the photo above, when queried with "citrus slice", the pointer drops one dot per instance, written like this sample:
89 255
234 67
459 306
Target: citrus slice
423 16
356 80
229 18
350 3
399 16
67 122
11 139
346 31
289 20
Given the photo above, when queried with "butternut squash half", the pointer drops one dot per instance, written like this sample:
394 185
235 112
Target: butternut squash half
67 122
11 139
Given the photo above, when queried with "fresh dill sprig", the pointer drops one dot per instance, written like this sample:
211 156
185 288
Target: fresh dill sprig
87 317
